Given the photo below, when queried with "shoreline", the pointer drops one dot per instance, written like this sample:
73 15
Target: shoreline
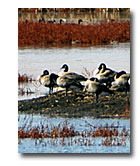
77 105
70 46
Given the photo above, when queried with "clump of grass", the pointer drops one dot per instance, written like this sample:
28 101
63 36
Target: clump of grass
113 135
66 135
24 78
114 141
87 73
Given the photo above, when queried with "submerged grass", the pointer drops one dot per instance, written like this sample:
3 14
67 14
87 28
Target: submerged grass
113 135
22 88
24 78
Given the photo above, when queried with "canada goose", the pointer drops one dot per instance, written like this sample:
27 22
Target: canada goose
94 86
63 20
79 21
65 68
72 75
69 79
113 42
105 75
51 21
48 80
121 81
42 20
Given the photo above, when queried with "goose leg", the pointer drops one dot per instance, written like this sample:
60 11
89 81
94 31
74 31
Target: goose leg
49 91
66 91
96 98
108 84
67 87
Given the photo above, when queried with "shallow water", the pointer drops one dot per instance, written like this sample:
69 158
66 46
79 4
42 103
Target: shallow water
34 61
69 145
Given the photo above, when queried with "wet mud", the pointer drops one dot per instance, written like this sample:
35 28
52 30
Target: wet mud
78 104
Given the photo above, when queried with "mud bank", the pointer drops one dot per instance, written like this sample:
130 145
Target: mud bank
78 104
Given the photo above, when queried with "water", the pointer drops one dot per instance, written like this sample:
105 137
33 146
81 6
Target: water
49 145
34 61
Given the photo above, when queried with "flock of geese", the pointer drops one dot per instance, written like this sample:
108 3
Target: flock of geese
105 80
61 21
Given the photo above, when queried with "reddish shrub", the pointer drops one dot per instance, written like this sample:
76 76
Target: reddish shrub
43 34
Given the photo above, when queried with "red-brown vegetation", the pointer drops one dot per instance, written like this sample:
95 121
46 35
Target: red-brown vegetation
24 78
43 34
43 131
112 135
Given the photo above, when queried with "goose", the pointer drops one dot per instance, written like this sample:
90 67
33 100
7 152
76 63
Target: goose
42 20
64 69
70 79
114 42
79 21
51 21
93 85
71 75
121 81
48 80
105 75
63 20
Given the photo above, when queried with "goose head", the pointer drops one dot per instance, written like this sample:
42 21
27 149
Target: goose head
120 73
65 67
79 21
45 72
102 66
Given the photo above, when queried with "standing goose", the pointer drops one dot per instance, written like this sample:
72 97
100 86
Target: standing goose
105 75
121 81
48 80
94 86
70 79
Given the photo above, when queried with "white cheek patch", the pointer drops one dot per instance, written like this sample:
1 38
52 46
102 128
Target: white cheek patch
61 72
